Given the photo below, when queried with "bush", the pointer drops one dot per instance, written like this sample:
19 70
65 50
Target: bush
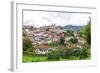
68 53
85 53
78 53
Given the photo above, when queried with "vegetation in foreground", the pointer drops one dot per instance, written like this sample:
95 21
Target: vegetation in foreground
58 55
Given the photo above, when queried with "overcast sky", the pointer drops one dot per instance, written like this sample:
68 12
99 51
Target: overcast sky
41 18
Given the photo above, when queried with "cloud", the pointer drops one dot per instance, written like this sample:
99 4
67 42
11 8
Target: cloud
79 19
40 18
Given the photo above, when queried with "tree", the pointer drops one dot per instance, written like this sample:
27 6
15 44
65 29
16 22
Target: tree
73 40
62 40
70 33
55 55
24 35
87 32
27 43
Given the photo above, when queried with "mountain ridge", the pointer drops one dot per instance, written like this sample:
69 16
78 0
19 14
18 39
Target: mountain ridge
73 27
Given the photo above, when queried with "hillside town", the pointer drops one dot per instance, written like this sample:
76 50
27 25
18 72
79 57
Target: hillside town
43 36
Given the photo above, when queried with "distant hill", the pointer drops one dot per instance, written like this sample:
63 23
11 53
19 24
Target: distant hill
73 27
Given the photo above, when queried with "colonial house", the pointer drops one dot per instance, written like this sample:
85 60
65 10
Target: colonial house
41 51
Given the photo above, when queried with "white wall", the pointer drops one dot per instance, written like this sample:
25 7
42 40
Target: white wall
5 35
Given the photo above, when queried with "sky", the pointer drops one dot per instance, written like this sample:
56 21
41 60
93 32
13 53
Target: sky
41 18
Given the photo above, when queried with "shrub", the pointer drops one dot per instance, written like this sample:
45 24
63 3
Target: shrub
85 53
78 53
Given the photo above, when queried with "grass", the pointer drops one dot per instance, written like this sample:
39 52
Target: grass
71 58
34 58
27 59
